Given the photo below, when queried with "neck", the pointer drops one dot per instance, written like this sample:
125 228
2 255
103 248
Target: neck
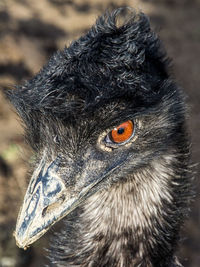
133 223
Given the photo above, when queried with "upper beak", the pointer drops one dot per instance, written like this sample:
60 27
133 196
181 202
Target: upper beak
48 200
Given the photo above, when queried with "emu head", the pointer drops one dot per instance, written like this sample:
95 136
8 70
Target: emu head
101 110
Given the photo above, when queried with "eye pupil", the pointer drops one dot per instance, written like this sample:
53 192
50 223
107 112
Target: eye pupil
120 131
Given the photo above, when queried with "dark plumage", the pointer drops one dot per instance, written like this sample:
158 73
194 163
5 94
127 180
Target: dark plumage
131 197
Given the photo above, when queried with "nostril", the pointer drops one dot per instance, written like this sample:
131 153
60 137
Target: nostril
53 206
44 211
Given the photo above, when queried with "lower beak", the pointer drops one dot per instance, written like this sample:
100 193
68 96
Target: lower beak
48 200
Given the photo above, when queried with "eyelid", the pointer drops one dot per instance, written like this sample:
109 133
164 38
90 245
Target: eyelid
109 141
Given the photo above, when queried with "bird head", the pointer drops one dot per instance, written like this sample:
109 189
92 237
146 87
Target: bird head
97 112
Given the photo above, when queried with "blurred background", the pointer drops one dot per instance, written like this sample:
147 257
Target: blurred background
30 31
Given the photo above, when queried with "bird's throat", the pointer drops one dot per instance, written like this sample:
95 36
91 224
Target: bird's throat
118 226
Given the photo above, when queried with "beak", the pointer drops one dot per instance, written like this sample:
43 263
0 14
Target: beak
48 200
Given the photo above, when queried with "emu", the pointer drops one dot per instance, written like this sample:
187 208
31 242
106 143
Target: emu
108 127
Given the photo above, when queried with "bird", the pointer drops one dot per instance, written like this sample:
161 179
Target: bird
108 126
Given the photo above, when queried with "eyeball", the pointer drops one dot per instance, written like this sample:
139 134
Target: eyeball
122 133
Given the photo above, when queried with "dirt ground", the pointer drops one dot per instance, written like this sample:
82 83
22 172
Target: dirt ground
30 31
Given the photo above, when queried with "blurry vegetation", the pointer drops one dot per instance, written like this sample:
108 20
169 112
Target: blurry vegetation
11 153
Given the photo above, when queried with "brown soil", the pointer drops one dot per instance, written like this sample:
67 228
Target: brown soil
30 31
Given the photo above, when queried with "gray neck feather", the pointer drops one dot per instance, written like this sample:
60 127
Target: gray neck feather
120 226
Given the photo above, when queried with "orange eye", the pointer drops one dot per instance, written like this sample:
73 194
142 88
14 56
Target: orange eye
122 133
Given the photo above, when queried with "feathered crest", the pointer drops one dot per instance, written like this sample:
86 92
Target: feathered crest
115 59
